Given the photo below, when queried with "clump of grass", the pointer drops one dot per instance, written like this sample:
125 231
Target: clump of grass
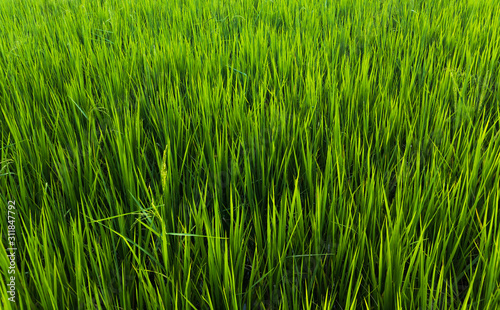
251 154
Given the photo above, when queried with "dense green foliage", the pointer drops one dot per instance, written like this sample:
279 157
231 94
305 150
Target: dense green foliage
251 154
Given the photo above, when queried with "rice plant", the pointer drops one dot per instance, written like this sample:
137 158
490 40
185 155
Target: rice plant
250 154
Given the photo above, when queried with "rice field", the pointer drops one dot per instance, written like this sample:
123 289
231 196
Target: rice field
250 154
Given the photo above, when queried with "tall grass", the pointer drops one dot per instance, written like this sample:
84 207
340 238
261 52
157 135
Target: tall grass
251 154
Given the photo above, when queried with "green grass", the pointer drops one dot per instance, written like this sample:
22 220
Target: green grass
251 154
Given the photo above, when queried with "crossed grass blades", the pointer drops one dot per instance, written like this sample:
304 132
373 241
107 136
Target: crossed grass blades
251 154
